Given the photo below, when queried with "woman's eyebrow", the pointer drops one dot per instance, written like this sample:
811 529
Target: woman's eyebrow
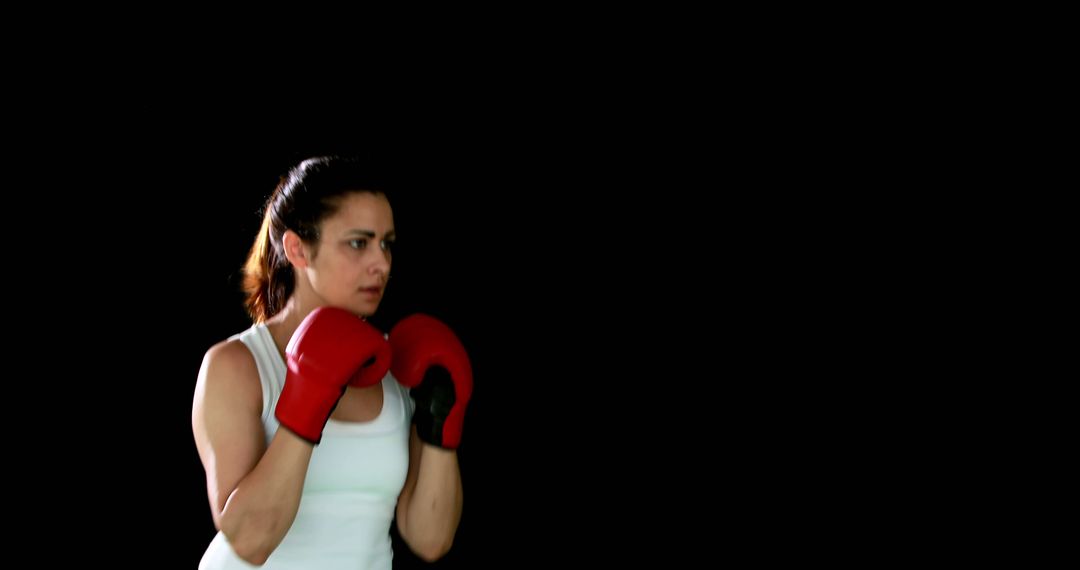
370 234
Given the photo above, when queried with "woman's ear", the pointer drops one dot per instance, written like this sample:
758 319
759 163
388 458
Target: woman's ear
294 250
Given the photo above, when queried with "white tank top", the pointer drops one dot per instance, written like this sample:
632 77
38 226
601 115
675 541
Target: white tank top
353 480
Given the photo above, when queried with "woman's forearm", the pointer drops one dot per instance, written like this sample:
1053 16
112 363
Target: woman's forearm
434 509
261 509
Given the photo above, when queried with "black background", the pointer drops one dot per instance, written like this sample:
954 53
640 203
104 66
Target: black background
648 272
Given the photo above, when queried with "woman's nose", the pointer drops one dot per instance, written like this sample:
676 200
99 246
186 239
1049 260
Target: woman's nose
381 265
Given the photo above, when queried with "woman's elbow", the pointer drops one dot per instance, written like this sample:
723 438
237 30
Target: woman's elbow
432 551
251 549
253 544
253 556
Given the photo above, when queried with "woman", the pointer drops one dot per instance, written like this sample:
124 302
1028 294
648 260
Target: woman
323 492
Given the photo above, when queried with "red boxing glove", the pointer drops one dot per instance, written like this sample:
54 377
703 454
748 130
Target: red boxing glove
330 350
429 359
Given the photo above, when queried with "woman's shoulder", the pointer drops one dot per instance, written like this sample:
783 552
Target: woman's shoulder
233 354
228 388
230 366
230 353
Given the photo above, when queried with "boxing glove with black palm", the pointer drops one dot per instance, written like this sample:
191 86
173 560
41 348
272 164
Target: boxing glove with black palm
330 350
429 359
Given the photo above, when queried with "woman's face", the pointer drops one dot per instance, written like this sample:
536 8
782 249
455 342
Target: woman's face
352 264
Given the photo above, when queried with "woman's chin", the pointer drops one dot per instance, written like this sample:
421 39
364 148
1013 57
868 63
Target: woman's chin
366 310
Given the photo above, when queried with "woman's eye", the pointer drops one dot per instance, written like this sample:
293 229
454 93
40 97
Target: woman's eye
358 243
386 245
